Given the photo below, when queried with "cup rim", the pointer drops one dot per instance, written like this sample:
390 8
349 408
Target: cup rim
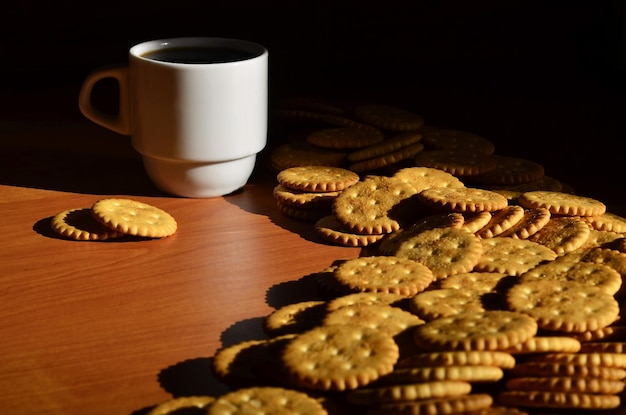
257 50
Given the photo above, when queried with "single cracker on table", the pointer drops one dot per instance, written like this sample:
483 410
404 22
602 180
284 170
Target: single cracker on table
79 224
135 218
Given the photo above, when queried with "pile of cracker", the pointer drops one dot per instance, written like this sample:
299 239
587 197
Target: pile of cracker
483 287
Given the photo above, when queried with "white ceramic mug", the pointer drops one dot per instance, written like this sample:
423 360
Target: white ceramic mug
195 108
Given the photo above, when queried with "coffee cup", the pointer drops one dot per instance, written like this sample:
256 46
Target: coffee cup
196 110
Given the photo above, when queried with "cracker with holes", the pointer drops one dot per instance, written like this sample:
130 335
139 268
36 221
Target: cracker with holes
132 217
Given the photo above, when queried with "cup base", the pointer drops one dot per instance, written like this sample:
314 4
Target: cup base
199 180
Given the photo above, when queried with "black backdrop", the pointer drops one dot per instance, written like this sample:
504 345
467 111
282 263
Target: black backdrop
542 79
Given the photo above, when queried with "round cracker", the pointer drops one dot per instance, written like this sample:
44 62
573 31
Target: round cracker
80 224
132 217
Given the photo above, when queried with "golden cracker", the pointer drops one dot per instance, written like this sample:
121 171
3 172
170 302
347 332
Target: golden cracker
386 146
462 199
511 256
344 138
562 234
562 203
496 358
532 221
388 117
388 159
563 306
456 162
79 224
317 178
450 139
501 221
490 330
559 400
407 392
384 274
445 251
266 400
132 217
339 357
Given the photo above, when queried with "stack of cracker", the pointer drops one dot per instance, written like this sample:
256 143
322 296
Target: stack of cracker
307 192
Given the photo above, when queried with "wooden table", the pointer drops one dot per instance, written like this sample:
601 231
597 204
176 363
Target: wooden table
116 327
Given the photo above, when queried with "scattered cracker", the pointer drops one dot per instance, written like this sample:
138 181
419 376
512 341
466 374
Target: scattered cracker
445 251
532 221
317 178
392 241
464 373
179 403
450 139
388 117
511 256
567 369
457 162
382 317
439 406
437 303
302 199
490 330
294 318
500 359
422 178
80 224
387 159
344 138
371 205
560 400
475 221
476 281
301 213
366 298
562 203
339 357
607 222
384 274
501 221
592 274
386 146
330 229
294 154
566 384
266 400
562 234
462 199
407 392
546 344
566 306
135 218
510 170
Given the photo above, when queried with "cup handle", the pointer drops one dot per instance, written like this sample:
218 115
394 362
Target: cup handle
120 122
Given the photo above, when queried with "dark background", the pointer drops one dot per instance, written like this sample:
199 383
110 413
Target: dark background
544 80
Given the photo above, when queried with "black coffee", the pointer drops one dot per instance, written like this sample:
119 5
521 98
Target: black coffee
199 55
